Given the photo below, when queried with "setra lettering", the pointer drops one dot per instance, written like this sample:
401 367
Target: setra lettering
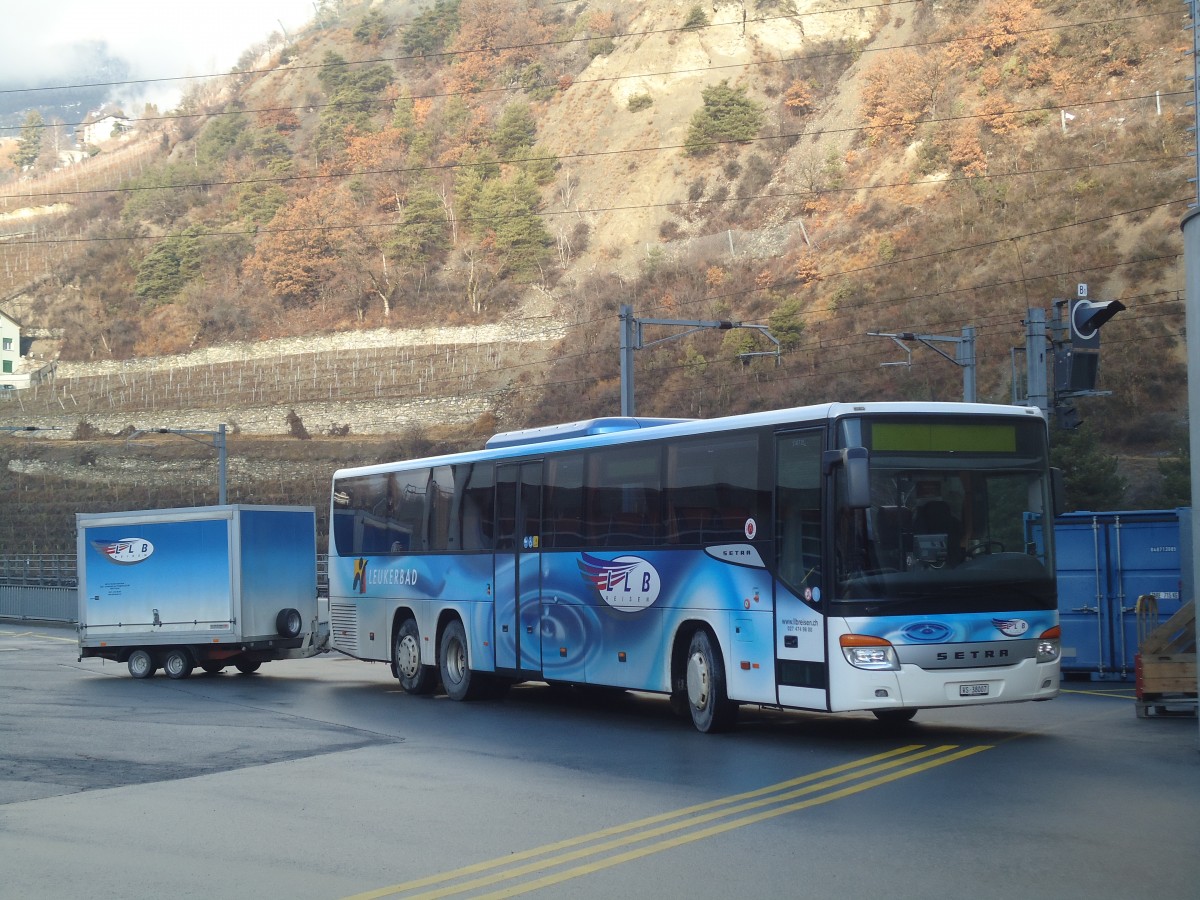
960 655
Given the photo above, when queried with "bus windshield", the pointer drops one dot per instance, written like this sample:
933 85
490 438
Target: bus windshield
955 522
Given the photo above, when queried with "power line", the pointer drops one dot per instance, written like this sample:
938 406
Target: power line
593 154
855 52
426 57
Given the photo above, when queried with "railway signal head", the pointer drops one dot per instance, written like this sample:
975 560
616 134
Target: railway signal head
1086 318
1077 359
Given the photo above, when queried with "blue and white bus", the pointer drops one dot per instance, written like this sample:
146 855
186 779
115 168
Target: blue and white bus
876 556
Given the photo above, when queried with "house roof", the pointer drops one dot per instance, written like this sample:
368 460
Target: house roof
10 318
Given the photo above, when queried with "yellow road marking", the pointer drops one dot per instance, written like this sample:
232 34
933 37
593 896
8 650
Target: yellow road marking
749 806
1102 694
43 637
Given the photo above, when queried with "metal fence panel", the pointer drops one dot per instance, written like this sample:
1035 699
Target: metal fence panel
52 604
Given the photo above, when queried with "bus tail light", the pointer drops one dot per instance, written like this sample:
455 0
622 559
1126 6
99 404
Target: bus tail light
866 652
1049 645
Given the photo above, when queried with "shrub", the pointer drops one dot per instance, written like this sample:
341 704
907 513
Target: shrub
601 46
638 102
696 19
669 230
296 426
727 115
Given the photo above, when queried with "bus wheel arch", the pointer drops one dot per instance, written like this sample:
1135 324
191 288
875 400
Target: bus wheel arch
408 665
699 682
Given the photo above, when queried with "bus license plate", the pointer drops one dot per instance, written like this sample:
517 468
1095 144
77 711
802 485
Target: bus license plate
972 690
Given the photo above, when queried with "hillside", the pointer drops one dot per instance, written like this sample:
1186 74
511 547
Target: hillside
420 219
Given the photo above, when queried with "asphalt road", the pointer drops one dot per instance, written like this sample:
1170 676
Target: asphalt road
319 779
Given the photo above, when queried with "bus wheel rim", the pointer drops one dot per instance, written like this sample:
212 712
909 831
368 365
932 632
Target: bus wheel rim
408 656
698 681
456 662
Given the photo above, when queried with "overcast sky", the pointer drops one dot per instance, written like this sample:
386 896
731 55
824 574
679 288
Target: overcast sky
41 41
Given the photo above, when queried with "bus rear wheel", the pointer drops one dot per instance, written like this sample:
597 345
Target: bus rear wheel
413 676
708 701
454 666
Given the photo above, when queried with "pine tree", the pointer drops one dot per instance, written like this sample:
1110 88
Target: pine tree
29 145
727 115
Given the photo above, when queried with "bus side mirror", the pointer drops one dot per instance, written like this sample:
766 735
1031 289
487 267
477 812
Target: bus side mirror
856 469
1058 491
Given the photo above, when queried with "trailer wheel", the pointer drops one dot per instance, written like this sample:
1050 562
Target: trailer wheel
212 668
178 663
710 706
248 666
289 622
141 664
457 678
414 677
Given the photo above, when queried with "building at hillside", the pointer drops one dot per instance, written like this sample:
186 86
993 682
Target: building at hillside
18 368
101 127
10 344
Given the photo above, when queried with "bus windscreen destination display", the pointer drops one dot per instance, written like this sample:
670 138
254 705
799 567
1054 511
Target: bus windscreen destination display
928 437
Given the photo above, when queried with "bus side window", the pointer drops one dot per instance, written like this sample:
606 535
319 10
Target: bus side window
441 505
625 495
476 506
712 489
564 501
406 511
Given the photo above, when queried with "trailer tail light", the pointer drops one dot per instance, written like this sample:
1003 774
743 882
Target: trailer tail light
864 651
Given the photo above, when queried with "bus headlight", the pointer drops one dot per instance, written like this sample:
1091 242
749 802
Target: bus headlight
866 652
1049 645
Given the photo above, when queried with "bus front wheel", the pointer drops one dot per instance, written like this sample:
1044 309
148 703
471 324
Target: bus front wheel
457 678
708 701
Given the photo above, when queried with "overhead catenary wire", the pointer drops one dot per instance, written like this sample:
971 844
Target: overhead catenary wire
857 51
890 6
897 262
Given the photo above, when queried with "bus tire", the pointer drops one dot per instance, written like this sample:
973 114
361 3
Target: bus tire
454 666
708 701
414 677
142 664
177 663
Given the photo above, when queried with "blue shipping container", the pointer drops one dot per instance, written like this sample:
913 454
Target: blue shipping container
1106 560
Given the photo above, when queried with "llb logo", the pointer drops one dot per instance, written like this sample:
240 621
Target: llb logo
627 583
126 551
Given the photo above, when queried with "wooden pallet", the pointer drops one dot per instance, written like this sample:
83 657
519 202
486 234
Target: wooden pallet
1165 665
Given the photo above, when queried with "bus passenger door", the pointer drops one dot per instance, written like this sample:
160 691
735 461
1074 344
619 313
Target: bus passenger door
518 566
801 671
